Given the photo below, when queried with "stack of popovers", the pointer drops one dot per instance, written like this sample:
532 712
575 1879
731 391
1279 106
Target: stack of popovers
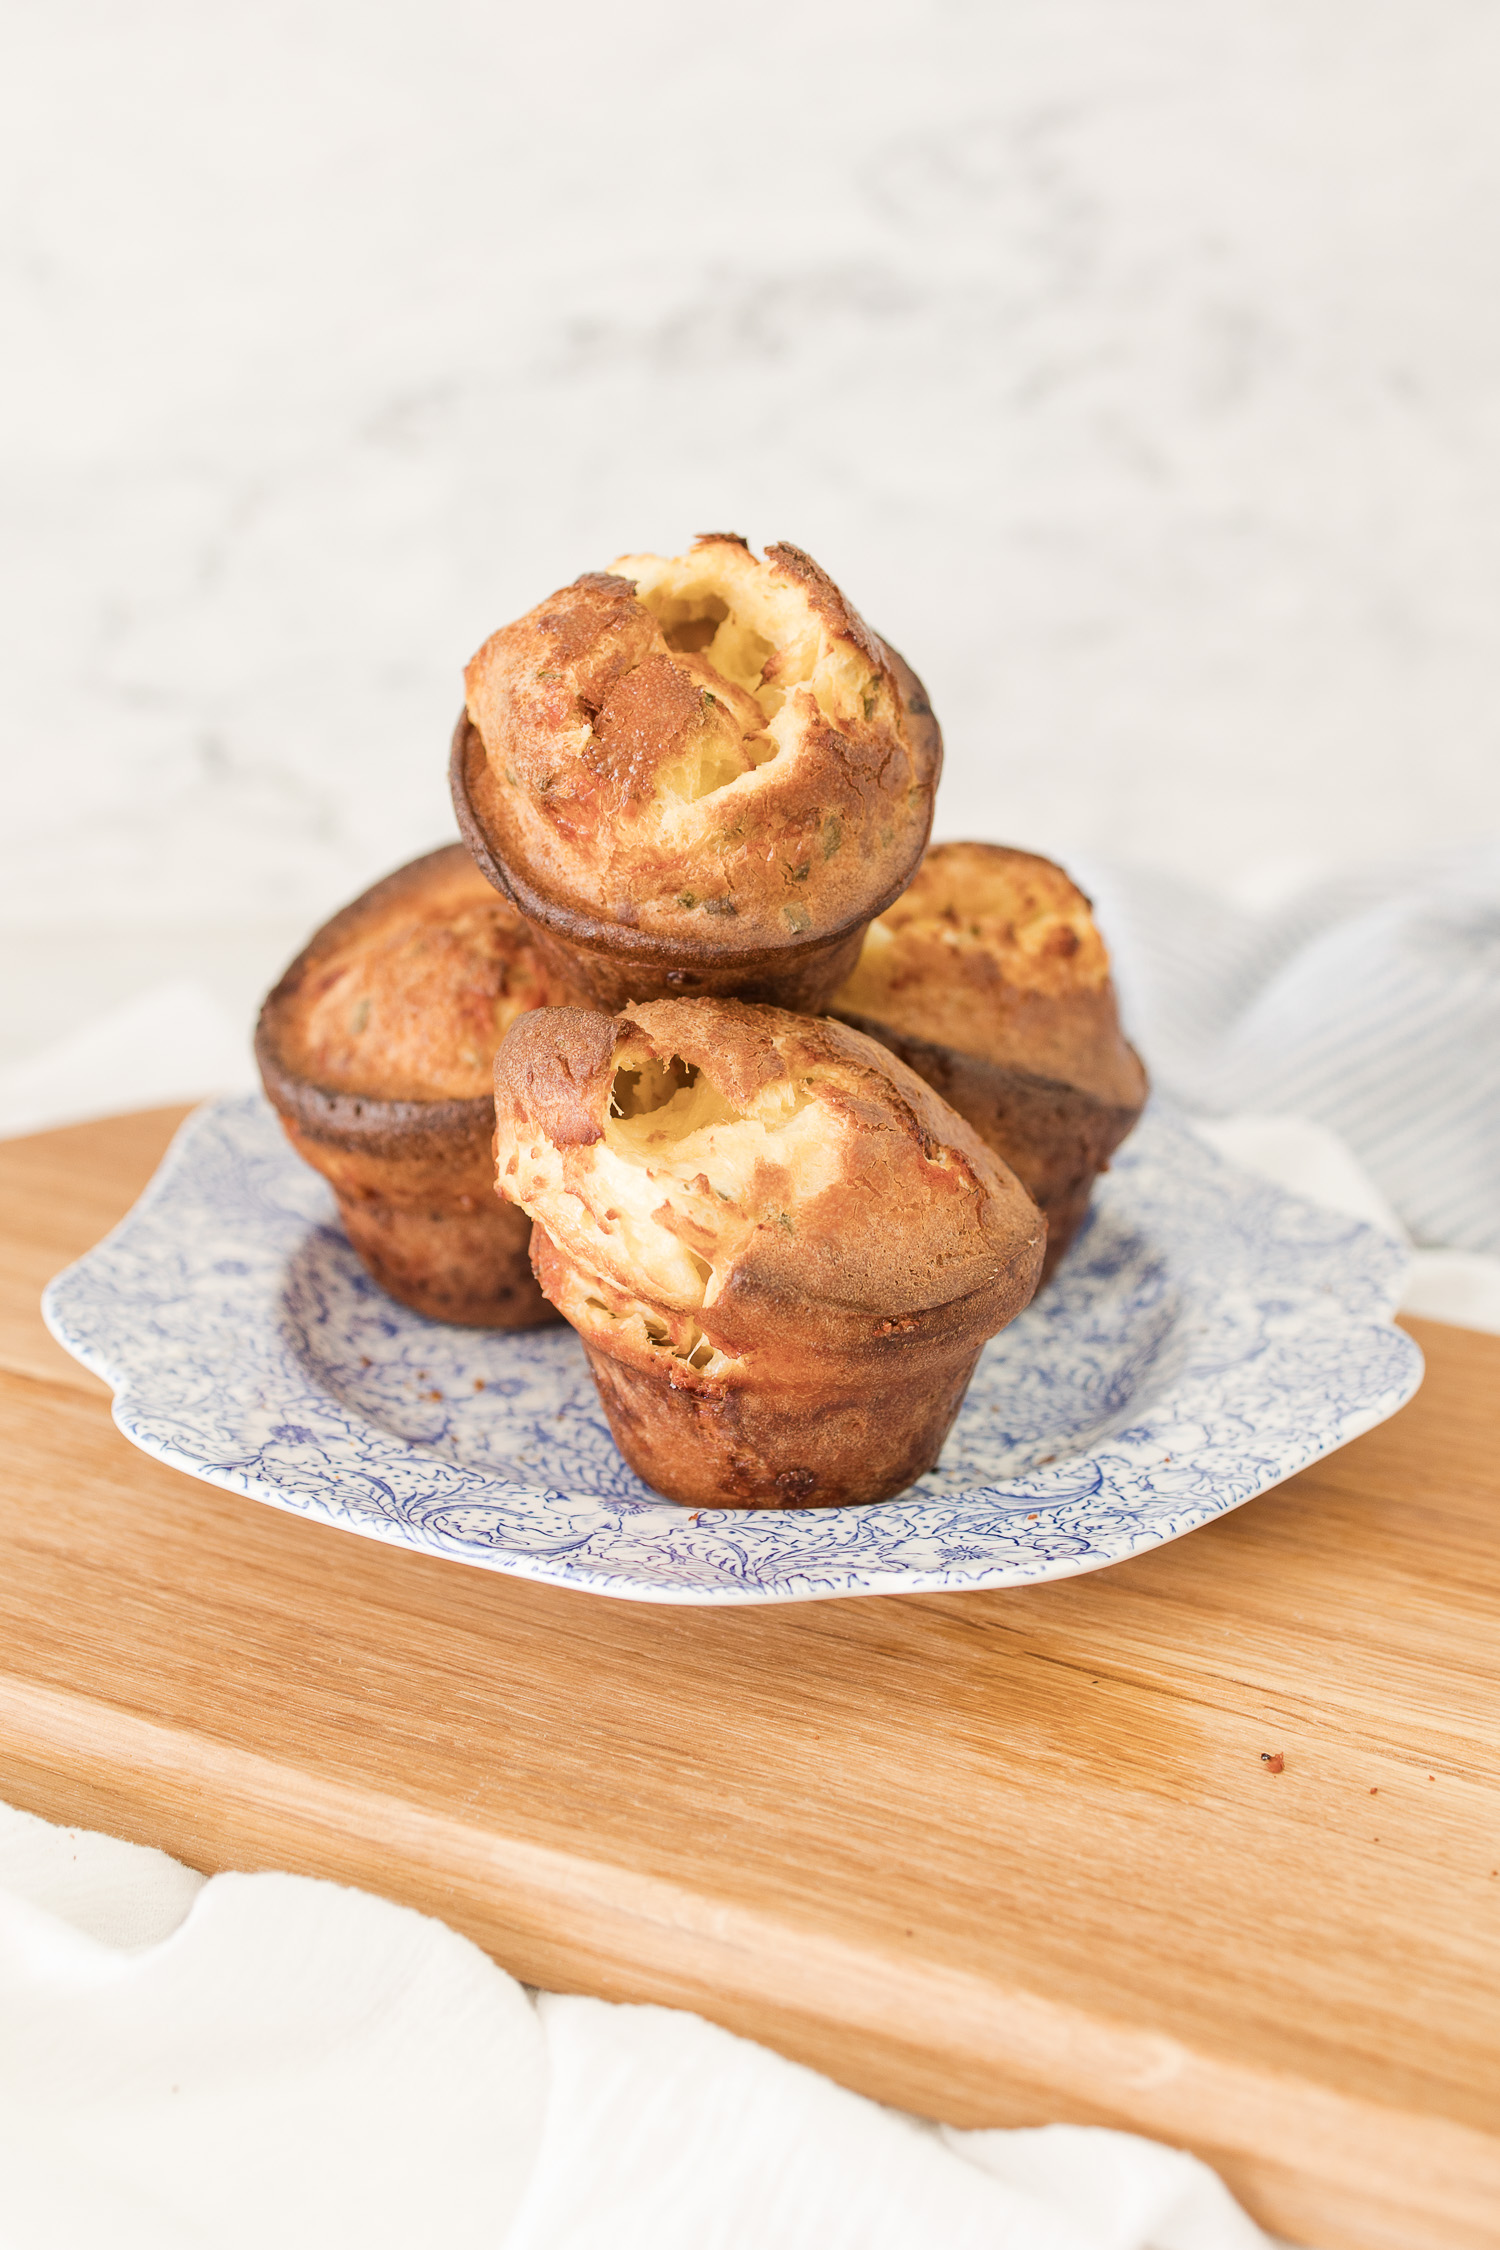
699 789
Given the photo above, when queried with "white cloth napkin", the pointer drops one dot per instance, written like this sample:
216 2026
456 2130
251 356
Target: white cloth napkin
263 2059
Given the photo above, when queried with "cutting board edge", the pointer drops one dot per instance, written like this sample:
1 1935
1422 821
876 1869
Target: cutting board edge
918 2035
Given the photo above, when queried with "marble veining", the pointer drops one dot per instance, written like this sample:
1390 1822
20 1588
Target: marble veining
1133 367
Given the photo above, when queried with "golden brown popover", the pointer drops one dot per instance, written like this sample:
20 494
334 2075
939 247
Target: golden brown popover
782 1251
698 773
989 977
377 1048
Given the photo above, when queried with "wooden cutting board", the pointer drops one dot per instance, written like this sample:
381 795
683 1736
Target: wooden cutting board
997 1857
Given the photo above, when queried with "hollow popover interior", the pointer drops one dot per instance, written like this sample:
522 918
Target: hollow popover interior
712 748
767 1174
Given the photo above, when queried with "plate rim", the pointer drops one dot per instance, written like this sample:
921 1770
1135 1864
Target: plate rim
1408 1369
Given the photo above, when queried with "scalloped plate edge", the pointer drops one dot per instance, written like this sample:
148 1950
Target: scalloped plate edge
587 1578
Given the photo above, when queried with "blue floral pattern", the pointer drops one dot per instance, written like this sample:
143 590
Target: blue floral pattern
1207 1336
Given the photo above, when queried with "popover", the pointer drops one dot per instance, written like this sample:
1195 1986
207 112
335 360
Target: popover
991 980
783 1253
377 1048
699 773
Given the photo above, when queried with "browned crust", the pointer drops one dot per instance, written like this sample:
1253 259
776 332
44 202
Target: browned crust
554 1068
1056 1138
431 1230
414 1180
834 1283
579 709
819 1444
620 962
416 1131
857 1269
472 1270
739 1449
828 600
1049 1081
655 952
921 723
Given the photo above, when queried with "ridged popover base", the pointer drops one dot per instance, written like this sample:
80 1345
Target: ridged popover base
803 981
413 1172
733 1446
437 1240
845 1437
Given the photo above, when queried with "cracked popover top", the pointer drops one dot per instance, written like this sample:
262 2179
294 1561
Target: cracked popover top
710 752
995 952
723 1180
406 994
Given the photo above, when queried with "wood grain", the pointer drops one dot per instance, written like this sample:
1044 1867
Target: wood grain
59 1192
996 1857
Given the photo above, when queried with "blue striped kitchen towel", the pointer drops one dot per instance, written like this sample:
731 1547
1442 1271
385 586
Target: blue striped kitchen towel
1370 1003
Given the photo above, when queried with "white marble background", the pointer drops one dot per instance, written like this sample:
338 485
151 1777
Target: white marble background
1134 363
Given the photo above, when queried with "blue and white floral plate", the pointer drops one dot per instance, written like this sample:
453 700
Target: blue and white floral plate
1207 1336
